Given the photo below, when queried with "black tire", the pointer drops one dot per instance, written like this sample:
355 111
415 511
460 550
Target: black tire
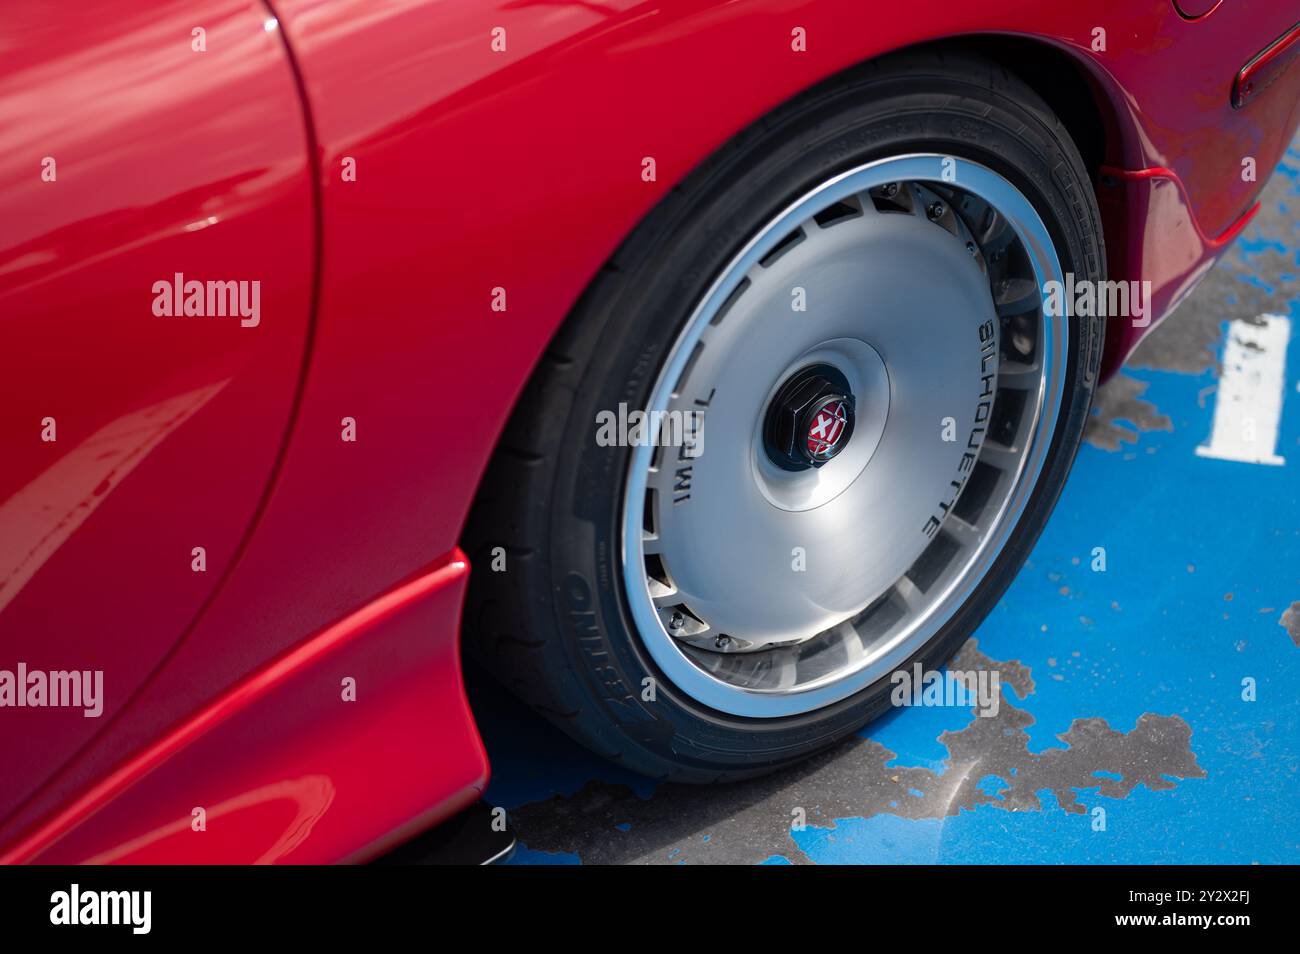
554 625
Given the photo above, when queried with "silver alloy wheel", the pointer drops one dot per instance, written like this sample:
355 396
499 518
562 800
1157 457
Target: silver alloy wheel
765 587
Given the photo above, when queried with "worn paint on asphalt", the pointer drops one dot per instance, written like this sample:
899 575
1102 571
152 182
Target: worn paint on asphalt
988 764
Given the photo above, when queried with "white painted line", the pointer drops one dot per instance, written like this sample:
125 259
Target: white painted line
1248 407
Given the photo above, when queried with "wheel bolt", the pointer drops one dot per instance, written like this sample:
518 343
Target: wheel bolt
722 642
889 189
935 211
970 247
677 621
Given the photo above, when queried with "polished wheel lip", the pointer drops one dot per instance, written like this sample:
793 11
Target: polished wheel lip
1029 228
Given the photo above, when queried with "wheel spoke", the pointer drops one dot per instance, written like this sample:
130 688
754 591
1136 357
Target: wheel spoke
997 228
662 595
966 534
1015 296
1019 376
1005 459
909 594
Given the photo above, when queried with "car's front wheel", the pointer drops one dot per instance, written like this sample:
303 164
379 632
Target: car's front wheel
858 419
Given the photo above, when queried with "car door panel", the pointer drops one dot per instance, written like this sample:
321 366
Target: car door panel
138 143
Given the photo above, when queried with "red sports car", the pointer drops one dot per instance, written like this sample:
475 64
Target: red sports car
695 365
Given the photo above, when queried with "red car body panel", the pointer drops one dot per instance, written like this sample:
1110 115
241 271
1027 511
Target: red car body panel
165 161
475 170
349 786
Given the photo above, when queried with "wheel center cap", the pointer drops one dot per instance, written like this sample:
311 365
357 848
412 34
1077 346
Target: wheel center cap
810 420
826 425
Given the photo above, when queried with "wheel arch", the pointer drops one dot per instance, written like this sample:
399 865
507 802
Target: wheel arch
1082 94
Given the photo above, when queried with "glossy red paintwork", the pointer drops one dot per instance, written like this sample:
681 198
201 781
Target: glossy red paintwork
475 170
167 429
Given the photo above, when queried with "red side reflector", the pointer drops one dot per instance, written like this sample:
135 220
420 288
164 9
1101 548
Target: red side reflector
1266 67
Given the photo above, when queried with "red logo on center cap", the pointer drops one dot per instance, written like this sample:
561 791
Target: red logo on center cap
826 430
